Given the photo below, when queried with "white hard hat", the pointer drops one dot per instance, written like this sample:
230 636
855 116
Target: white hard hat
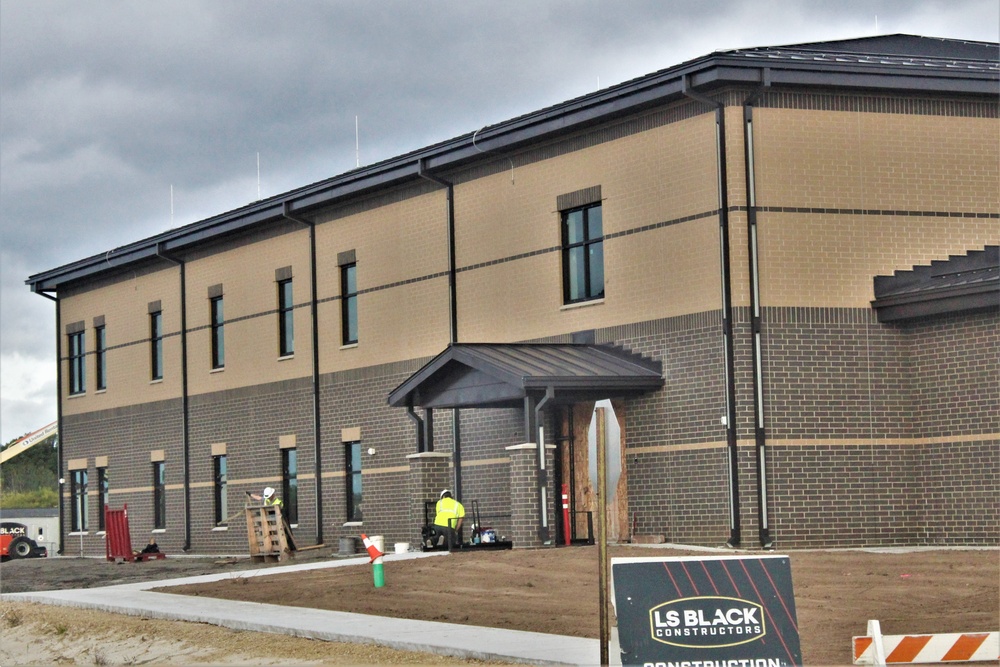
445 491
268 492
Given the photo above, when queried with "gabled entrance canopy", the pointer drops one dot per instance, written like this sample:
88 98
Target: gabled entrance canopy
489 375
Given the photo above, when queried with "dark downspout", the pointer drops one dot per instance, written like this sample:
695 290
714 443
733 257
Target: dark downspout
313 309
727 311
185 431
59 426
456 426
760 438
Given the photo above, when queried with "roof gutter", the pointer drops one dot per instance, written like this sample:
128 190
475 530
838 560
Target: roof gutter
727 308
59 416
286 212
760 434
185 406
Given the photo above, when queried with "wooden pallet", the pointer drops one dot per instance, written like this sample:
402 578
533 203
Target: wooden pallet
267 534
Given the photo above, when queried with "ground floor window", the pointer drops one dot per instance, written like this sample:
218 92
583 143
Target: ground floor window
221 507
290 485
78 492
159 495
102 496
352 457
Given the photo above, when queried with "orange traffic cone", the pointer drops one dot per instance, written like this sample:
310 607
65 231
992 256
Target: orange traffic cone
373 551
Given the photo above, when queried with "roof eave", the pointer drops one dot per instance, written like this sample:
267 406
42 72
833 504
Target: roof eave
713 71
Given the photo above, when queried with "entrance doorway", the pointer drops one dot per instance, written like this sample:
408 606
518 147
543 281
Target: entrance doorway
576 471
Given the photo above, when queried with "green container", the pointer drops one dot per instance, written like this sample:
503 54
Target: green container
378 573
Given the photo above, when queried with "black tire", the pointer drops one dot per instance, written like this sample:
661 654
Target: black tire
21 547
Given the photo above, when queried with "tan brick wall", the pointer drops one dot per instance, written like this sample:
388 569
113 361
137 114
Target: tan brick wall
398 242
658 176
124 304
247 275
884 162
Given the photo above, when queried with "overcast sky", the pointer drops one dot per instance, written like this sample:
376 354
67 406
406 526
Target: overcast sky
107 105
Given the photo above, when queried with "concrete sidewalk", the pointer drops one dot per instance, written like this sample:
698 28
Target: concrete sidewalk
460 641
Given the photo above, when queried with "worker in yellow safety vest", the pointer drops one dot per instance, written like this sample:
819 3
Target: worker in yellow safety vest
269 498
448 518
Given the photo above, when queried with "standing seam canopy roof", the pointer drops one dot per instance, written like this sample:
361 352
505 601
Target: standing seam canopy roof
501 375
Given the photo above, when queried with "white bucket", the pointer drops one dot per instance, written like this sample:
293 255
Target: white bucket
402 547
379 542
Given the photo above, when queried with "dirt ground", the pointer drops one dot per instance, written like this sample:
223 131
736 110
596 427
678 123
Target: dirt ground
552 591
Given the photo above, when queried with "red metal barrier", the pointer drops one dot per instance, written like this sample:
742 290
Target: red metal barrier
117 541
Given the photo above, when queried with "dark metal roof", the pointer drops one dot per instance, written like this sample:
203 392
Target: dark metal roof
895 63
962 283
497 375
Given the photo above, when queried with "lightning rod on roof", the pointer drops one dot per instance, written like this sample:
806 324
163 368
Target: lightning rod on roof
258 175
357 144
171 204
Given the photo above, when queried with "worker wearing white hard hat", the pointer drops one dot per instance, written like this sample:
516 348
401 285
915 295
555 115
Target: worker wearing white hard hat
268 497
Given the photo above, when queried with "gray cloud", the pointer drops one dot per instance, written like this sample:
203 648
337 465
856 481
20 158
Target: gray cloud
105 105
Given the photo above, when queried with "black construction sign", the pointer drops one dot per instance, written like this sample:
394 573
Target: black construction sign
728 611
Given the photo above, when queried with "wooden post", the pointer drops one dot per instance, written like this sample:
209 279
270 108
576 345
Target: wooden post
602 532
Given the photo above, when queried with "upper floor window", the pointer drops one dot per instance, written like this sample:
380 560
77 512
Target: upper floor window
77 362
583 254
349 302
286 320
156 345
100 358
218 321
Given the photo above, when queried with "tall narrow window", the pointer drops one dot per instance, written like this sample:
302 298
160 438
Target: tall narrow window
100 359
221 480
102 496
78 493
349 302
156 345
352 457
218 333
286 321
583 254
77 363
159 495
290 485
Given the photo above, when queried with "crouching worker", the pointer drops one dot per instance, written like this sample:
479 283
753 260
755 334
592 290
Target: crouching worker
448 519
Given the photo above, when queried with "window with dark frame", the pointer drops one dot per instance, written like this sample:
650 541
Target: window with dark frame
78 492
349 302
100 359
286 320
102 496
583 254
219 466
77 363
290 485
159 495
156 345
218 332
352 459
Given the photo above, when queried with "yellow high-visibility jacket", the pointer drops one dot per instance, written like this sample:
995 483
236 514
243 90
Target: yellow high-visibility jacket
449 511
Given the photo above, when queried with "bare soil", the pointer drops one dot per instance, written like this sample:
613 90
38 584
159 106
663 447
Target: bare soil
555 590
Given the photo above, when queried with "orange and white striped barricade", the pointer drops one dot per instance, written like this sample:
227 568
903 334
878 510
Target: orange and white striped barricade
879 649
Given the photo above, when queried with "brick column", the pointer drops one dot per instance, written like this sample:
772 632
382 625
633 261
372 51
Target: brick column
429 473
524 495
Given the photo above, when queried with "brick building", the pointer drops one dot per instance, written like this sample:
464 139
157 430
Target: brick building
776 269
